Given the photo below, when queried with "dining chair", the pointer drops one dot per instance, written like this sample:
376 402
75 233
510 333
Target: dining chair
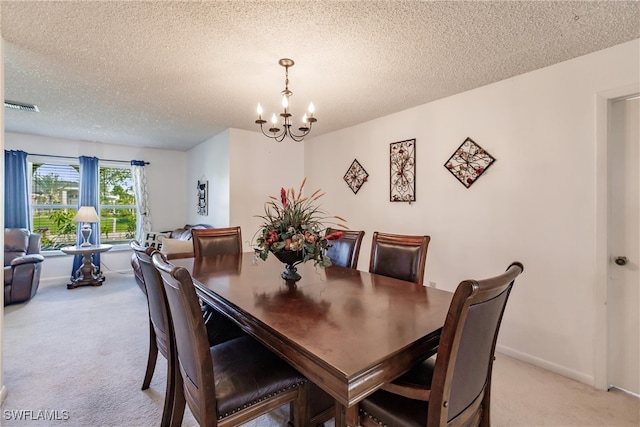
345 251
230 383
216 241
161 337
399 256
454 387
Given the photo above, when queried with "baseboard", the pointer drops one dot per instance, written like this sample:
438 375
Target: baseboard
545 364
630 393
3 394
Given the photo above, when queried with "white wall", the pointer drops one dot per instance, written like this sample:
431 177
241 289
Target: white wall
260 167
244 169
536 204
209 160
166 189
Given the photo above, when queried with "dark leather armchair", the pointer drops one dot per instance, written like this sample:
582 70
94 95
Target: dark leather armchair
22 265
455 388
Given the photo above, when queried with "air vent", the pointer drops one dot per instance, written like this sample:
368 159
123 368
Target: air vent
20 106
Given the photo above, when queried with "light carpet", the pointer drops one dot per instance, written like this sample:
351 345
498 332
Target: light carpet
80 355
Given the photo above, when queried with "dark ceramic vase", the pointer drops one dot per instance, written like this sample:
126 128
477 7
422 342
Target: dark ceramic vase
290 259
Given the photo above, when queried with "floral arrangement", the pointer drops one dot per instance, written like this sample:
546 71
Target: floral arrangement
295 223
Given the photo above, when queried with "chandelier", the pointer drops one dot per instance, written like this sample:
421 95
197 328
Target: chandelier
274 131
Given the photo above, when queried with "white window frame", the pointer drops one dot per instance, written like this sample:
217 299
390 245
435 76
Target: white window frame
70 162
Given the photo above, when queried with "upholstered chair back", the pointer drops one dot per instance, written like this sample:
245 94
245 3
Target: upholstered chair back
158 306
400 256
453 388
216 241
22 265
344 252
20 242
194 356
461 383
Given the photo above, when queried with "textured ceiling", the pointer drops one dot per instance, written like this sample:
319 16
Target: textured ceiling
172 74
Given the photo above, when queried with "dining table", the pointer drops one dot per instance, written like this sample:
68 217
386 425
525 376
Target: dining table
348 331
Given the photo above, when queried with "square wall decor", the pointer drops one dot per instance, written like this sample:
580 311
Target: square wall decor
356 176
402 176
469 162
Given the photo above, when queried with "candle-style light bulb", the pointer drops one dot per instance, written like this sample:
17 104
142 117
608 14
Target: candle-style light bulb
285 101
259 110
312 109
274 119
304 118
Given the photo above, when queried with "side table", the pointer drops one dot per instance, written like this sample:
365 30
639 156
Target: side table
87 274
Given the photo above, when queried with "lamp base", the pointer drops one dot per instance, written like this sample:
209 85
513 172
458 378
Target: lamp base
86 233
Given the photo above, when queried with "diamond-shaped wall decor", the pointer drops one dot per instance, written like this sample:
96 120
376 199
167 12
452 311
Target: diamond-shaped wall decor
469 162
356 176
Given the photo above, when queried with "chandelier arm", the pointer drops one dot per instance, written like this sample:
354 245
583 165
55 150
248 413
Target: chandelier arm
295 137
300 137
275 136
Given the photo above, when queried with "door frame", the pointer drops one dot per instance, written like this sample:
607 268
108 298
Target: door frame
601 335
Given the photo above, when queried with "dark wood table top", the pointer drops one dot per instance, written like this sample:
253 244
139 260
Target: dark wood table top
349 331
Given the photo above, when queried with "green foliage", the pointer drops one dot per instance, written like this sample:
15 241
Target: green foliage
55 222
63 220
116 187
294 223
62 228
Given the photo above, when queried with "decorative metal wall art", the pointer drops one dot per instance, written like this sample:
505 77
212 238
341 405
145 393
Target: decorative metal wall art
402 180
203 196
356 176
469 162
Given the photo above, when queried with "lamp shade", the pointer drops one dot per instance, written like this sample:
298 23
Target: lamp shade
86 214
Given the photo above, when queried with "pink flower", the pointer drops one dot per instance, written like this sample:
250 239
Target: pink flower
283 197
271 237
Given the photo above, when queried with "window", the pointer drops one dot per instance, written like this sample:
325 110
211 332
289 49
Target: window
117 205
54 202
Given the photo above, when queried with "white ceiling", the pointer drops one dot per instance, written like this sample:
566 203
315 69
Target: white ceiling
173 74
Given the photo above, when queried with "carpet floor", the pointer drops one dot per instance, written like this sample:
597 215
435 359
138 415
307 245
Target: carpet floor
77 358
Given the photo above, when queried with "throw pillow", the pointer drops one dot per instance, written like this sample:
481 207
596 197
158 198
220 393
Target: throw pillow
154 239
177 246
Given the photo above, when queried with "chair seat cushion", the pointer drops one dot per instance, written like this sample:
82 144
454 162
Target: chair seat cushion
246 372
393 410
388 409
420 375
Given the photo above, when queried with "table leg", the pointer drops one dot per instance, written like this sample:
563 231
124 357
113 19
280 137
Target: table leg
85 274
346 417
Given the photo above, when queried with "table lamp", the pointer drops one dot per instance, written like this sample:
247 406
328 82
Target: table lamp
86 215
